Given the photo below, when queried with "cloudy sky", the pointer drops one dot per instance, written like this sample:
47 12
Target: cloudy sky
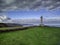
28 4
33 14
22 9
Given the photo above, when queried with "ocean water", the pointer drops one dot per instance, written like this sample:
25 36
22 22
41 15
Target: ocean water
37 24
55 25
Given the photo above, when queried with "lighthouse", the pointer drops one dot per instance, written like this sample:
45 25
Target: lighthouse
41 20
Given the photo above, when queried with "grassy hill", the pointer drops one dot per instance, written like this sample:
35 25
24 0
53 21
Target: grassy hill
32 36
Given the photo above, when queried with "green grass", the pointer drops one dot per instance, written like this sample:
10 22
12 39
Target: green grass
32 36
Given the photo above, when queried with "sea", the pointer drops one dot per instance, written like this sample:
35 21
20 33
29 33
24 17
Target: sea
37 24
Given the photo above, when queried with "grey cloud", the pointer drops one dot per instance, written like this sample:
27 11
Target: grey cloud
28 4
4 18
56 5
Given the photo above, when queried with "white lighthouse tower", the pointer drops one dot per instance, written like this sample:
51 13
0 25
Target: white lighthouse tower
41 20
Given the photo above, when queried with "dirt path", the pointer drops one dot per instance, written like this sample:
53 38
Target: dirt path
9 29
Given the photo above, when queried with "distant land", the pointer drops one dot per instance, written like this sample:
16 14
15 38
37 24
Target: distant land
32 22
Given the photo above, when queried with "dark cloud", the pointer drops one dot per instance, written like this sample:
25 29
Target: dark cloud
28 4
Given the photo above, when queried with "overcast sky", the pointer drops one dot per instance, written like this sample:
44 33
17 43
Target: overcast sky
30 8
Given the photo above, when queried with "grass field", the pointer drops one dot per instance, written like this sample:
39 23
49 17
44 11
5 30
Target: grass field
32 36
